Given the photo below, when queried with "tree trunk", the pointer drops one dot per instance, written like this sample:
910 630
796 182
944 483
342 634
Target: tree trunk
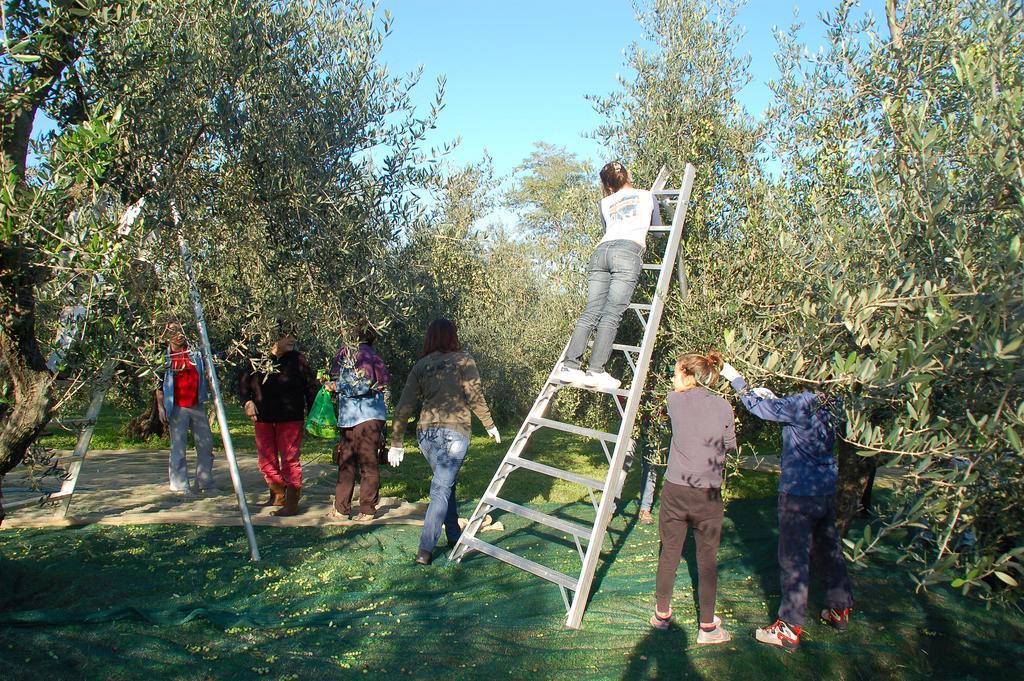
146 424
31 381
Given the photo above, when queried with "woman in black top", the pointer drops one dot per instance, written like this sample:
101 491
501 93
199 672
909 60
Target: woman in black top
277 402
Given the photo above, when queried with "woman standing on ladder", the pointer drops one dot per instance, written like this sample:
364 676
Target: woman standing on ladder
444 386
626 213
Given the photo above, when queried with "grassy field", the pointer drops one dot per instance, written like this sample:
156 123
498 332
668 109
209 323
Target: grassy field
178 602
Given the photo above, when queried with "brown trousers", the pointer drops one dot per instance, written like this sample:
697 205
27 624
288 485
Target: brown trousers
683 507
358 445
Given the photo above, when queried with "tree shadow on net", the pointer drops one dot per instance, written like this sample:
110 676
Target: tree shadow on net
754 529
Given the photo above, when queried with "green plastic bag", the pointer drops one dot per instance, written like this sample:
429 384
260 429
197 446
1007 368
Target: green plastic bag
322 419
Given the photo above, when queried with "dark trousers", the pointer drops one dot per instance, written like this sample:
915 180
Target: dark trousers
805 522
683 507
358 445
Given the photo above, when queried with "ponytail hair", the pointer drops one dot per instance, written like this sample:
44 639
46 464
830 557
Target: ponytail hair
705 368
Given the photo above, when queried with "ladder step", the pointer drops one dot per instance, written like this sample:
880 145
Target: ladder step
660 228
651 266
641 306
619 392
541 571
35 499
72 424
575 430
566 526
553 472
627 348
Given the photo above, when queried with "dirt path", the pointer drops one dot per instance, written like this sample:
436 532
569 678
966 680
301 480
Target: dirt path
129 487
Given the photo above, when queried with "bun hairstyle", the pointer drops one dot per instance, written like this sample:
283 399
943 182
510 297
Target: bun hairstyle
614 177
704 368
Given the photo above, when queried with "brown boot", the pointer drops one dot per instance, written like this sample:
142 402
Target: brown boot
291 503
276 494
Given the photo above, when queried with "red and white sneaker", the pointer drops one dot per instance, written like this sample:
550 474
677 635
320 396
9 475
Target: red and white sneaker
837 619
661 622
779 634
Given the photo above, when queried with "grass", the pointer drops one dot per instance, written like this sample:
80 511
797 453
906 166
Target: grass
179 602
176 602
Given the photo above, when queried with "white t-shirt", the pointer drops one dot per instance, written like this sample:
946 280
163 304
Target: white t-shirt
628 214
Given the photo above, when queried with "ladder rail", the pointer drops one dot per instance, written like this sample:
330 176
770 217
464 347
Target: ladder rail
67 488
611 487
624 441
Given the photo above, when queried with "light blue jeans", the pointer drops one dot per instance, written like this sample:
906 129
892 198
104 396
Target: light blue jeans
648 481
182 420
611 277
445 450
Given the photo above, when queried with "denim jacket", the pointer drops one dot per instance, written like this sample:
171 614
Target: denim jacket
167 388
358 399
808 436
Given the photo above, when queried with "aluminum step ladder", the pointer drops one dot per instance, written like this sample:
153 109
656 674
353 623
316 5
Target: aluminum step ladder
73 462
638 357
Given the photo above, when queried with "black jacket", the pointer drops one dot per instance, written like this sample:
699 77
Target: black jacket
286 394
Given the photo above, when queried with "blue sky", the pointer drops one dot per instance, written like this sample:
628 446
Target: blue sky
518 72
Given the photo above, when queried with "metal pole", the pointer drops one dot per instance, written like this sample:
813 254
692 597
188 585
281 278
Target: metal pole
222 419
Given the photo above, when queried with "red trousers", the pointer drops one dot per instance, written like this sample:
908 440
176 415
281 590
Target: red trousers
277 450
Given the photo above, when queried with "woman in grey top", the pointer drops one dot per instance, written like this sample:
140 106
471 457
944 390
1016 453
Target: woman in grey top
703 430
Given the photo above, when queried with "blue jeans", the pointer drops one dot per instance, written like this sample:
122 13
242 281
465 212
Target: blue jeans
648 481
445 451
611 277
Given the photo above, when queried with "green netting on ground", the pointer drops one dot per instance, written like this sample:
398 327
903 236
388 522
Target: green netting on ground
173 602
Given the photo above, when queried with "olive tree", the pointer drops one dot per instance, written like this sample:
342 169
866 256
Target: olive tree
287 148
881 263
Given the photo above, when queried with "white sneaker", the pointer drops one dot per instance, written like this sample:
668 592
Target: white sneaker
716 635
567 375
601 381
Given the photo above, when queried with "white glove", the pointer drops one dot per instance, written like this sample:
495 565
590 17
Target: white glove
729 373
395 456
493 432
764 393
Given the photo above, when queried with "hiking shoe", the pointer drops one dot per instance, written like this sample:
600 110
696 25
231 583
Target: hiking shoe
601 381
779 634
645 518
567 375
362 518
659 622
837 619
716 635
